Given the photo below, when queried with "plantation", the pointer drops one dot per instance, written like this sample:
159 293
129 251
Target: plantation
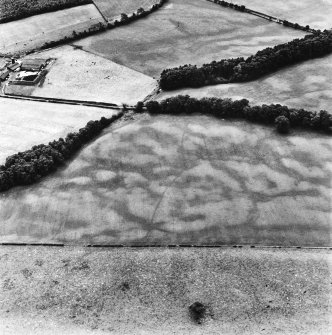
13 10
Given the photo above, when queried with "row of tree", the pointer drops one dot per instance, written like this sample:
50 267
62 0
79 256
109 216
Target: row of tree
242 8
282 116
141 12
263 62
29 166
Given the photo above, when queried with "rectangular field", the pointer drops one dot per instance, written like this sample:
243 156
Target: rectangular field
17 9
84 76
33 32
186 31
27 123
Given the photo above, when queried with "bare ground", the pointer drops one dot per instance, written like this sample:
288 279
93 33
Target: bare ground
148 291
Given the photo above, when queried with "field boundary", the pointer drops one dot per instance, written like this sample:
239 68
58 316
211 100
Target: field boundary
166 246
245 9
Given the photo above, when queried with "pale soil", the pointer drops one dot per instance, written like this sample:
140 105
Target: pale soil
112 9
80 75
316 13
27 123
55 291
173 180
33 32
306 85
186 31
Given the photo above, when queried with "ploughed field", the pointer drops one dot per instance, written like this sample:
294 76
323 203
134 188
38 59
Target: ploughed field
306 85
13 10
181 180
186 31
33 32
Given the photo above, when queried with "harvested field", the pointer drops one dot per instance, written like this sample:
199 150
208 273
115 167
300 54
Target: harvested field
77 291
181 180
27 123
13 10
307 85
316 13
82 75
112 9
33 32
186 31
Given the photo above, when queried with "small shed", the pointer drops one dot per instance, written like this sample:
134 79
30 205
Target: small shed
4 74
13 67
35 64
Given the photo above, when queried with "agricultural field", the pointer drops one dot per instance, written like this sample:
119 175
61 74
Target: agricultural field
84 76
13 10
87 291
112 9
186 31
33 32
27 123
181 180
317 14
306 85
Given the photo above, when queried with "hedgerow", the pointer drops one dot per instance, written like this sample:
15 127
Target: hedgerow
29 166
283 117
240 70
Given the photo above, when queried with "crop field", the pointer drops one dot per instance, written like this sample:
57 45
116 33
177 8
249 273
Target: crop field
307 85
316 13
17 9
181 180
27 123
35 31
186 31
112 9
85 76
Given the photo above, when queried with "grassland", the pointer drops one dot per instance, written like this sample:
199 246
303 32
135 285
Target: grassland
24 124
85 76
13 10
33 32
186 31
305 85
317 14
112 9
47 291
173 180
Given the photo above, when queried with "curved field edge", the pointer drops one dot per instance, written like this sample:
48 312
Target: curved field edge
239 69
19 9
29 166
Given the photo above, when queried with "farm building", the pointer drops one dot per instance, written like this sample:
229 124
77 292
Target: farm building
3 75
13 67
35 64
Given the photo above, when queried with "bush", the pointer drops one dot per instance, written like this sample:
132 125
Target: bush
197 311
282 124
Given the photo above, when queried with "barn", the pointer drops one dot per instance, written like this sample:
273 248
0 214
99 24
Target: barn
35 64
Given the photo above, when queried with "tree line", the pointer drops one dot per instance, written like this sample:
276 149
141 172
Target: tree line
242 8
31 165
239 69
141 12
282 117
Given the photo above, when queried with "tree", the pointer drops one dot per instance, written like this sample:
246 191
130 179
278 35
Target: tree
282 124
124 17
